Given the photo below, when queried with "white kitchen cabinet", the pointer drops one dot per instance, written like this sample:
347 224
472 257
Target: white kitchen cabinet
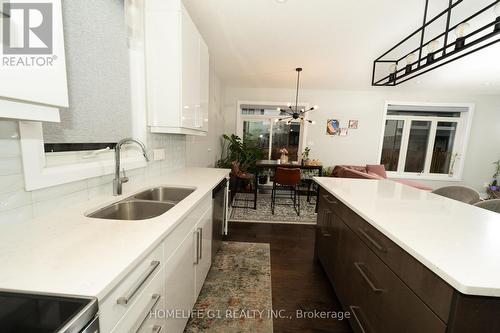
186 271
204 228
179 282
177 67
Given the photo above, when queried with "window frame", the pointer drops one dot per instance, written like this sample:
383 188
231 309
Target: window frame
240 118
464 123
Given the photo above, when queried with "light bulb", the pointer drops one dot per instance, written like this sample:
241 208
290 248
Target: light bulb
461 29
288 104
276 120
315 107
410 58
313 122
432 46
278 109
393 68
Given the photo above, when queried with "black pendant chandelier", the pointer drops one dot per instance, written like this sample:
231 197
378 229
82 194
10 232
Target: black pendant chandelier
293 112
397 65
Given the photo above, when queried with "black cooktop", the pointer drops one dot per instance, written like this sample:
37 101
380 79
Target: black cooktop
30 313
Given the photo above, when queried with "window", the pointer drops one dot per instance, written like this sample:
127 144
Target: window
258 123
425 141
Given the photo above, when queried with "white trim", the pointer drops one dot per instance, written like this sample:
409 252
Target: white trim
37 175
177 130
28 111
460 146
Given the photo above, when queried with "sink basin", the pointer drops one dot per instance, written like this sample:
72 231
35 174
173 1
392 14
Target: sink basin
132 210
165 194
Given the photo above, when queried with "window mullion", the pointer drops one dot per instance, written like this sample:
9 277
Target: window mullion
430 147
271 122
404 146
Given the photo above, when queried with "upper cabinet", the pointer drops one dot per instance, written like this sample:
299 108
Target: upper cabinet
177 70
33 67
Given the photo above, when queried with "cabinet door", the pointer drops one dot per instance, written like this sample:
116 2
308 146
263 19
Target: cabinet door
190 72
204 227
179 284
204 85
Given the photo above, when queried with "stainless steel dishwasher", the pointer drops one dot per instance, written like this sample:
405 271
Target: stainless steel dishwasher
219 228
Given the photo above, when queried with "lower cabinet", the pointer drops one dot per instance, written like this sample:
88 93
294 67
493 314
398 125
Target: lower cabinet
378 300
186 271
160 292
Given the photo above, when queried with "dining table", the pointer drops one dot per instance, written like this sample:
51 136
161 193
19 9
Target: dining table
274 164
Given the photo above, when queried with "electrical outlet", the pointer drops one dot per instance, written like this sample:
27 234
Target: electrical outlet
158 154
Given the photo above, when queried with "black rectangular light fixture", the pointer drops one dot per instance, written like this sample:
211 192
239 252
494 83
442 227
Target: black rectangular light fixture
390 71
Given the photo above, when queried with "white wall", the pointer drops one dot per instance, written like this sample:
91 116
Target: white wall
361 146
204 151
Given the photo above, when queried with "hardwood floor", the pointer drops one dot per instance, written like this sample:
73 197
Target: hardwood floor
298 282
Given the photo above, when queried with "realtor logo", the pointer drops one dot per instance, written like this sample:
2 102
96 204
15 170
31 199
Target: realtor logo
29 28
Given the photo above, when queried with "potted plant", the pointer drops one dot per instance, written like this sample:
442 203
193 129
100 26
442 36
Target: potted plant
246 153
305 155
494 184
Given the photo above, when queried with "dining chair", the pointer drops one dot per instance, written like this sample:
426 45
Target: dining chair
460 193
288 180
242 183
493 205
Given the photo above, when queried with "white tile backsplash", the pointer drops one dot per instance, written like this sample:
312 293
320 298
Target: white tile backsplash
16 204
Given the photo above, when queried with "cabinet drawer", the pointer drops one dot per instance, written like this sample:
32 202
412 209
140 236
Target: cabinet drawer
436 293
119 301
144 314
380 301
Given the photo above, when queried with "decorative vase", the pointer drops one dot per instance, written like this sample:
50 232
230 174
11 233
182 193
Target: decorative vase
284 158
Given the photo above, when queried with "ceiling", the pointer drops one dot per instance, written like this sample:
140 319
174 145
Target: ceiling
258 43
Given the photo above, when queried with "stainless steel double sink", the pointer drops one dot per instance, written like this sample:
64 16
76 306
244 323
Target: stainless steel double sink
144 205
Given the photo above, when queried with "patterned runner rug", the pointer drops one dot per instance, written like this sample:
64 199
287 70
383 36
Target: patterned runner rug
236 296
282 213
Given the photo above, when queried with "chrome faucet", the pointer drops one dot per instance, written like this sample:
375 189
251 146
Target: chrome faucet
118 181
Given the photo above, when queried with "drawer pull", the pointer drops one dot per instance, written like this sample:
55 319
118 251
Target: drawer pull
359 267
327 199
157 329
197 247
124 300
200 247
371 240
357 317
155 298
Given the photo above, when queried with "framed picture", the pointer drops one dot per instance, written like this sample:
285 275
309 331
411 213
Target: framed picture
353 124
343 131
332 127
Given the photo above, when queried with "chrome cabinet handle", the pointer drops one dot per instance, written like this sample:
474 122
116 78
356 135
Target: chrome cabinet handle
124 300
364 275
201 243
157 329
197 249
155 298
371 240
327 199
357 318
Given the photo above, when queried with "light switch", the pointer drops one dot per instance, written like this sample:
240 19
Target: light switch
158 154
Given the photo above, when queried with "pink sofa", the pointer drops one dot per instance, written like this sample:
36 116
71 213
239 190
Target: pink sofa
372 172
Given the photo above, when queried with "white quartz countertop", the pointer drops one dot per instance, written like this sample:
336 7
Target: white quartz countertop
69 253
457 241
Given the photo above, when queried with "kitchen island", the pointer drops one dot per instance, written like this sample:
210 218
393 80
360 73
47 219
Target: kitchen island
405 260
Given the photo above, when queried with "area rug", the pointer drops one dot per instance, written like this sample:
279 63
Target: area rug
282 213
236 296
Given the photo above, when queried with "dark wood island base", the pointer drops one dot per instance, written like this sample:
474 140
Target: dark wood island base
384 287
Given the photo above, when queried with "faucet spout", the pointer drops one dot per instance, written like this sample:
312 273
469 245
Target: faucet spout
118 180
